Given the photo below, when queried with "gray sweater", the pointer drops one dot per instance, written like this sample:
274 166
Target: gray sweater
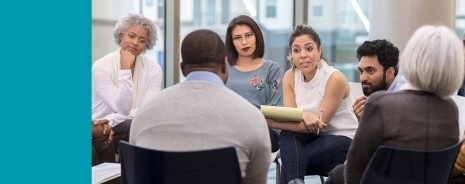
197 115
406 119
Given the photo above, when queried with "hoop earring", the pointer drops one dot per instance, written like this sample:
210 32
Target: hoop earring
319 64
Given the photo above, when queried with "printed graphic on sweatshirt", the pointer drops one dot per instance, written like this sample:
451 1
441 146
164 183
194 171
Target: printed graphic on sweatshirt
275 85
257 82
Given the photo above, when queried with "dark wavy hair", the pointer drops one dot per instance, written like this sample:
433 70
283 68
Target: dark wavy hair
300 30
388 54
260 43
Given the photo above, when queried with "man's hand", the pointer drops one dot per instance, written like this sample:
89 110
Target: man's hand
101 129
359 105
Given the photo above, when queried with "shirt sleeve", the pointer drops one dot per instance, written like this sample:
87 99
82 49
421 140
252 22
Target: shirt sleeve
274 93
117 96
367 139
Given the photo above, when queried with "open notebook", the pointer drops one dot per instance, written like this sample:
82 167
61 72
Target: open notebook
282 113
105 172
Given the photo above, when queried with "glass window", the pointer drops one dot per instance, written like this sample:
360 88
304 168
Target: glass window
148 3
211 17
460 18
270 8
104 19
161 9
275 30
341 31
224 11
337 22
317 11
317 8
161 58
197 15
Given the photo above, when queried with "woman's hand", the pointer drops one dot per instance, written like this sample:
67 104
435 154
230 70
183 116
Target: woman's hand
127 59
312 122
272 123
293 126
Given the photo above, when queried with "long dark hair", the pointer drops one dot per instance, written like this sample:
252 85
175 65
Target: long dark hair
260 43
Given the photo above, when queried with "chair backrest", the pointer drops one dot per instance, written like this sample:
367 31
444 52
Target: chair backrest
402 166
142 166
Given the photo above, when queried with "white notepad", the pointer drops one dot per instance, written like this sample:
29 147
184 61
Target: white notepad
282 113
105 172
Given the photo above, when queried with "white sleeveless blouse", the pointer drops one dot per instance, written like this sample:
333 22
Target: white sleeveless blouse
308 96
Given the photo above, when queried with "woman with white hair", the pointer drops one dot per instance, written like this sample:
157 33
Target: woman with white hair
122 79
421 116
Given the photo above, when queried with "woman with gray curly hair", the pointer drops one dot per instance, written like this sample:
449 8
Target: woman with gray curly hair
421 115
122 79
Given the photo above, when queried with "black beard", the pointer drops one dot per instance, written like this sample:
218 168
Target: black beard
381 86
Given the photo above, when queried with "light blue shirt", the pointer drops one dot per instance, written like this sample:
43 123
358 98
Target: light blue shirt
205 76
397 84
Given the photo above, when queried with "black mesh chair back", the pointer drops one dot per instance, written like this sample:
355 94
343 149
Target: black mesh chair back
147 166
409 166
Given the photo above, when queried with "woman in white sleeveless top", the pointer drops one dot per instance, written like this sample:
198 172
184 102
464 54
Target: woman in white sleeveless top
321 140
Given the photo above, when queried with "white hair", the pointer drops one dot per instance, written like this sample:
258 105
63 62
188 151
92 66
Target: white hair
433 60
134 19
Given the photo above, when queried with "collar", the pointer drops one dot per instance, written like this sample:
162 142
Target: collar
205 76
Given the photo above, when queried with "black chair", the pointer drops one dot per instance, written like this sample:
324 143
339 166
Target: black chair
408 166
147 166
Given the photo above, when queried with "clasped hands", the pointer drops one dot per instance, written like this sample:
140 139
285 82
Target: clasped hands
312 122
102 130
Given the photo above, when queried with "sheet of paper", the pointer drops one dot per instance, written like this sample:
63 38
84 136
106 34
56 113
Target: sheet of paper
105 172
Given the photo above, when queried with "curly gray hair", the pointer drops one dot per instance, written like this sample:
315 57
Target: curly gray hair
133 19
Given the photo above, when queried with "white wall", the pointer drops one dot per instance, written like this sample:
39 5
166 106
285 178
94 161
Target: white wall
102 40
397 20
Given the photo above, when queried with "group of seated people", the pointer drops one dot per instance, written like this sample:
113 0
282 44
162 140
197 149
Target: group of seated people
227 82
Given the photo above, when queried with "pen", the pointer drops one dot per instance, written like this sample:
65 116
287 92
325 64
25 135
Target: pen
318 130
